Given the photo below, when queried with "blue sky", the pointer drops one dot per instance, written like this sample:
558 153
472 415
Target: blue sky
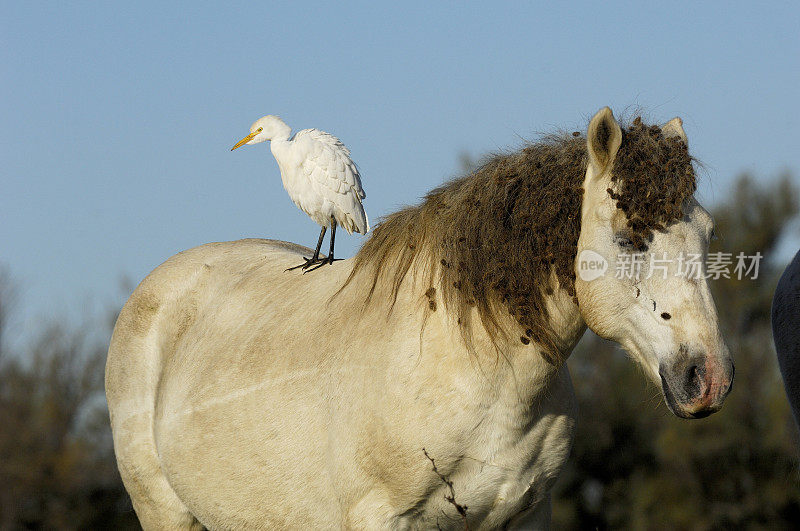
118 117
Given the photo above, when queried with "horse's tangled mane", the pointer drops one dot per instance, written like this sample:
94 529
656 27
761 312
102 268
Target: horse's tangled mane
495 236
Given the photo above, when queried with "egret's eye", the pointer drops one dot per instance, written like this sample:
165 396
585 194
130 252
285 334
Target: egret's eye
259 129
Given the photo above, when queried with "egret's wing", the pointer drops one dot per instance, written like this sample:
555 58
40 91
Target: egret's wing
327 164
334 152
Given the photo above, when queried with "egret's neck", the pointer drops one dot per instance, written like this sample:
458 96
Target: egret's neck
280 132
280 148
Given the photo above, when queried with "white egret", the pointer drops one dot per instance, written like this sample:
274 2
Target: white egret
321 178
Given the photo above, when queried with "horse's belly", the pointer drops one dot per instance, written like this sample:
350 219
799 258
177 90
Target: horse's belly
249 457
253 453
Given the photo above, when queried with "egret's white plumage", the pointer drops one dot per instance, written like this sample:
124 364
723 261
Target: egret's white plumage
319 175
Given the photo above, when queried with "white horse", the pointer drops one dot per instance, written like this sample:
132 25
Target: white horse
786 331
422 383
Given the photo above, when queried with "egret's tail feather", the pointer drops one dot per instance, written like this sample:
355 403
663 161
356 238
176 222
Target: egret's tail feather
355 221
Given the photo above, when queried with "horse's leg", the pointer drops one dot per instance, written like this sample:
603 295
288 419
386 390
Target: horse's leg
314 259
131 383
156 504
375 511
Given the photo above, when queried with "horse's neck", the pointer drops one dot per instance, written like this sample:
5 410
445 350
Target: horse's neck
526 370
538 360
565 320
510 355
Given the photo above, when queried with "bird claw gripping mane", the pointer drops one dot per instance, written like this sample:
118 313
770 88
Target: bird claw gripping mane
496 236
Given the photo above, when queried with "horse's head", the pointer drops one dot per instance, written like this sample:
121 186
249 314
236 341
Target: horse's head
640 265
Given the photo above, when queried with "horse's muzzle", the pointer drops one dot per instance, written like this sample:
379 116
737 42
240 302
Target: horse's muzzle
696 387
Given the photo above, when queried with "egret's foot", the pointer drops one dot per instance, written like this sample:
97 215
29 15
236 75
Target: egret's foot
308 263
322 262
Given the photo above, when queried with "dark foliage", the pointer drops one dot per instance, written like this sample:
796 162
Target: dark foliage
57 468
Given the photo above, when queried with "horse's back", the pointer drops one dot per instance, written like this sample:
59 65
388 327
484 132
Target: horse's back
193 286
180 397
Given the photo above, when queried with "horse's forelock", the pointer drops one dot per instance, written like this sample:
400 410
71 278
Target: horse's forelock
653 177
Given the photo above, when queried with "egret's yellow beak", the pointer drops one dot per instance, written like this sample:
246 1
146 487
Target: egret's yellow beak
244 141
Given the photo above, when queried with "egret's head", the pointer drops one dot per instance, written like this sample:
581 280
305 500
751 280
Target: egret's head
267 128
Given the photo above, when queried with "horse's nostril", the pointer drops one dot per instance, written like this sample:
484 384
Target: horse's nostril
693 383
691 374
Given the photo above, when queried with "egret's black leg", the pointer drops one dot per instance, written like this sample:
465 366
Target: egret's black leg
314 259
319 243
333 240
328 259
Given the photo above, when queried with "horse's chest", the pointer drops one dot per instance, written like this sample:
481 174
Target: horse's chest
512 471
504 463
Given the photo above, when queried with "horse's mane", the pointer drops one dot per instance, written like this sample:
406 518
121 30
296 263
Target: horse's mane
494 237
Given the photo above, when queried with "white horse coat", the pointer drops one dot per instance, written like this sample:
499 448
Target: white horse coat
243 397
343 411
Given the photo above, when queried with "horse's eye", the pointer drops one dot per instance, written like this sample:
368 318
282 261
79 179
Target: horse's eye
713 235
623 241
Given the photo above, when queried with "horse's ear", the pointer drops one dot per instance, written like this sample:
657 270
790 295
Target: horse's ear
603 139
674 128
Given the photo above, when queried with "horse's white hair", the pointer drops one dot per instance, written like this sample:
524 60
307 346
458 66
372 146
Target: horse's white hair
242 396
